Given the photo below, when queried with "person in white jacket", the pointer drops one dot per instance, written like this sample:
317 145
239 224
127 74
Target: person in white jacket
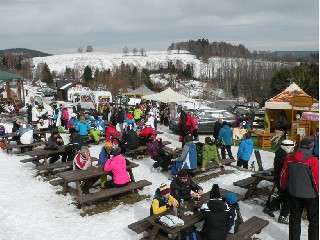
35 114
150 120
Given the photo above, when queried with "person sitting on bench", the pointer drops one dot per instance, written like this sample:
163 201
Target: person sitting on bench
75 144
98 130
215 213
234 212
147 134
129 139
82 161
117 165
209 153
155 150
188 157
72 123
26 136
162 200
182 185
104 155
112 135
15 129
83 127
54 141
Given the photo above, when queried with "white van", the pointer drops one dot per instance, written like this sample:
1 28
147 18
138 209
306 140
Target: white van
86 100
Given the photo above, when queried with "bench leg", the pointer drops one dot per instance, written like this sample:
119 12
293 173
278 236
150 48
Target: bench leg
131 175
78 186
252 188
65 188
154 233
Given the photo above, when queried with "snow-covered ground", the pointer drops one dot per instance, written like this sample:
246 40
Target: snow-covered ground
31 209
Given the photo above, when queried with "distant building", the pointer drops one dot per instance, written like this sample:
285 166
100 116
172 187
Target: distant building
66 89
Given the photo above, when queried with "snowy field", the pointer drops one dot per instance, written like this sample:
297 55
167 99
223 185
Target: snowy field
31 209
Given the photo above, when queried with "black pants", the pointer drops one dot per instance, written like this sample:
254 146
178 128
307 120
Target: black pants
284 200
155 123
161 161
242 163
56 157
111 184
223 151
296 207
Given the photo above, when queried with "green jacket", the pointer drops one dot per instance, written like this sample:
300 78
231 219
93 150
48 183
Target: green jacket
209 152
137 113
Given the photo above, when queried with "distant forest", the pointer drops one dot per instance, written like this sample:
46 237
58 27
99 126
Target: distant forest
240 73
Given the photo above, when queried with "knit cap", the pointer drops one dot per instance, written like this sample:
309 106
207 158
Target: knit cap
231 198
215 193
108 145
306 143
182 174
164 189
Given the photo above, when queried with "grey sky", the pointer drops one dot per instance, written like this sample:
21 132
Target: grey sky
61 26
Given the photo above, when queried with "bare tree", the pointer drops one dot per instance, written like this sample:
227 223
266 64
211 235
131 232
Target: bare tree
134 51
89 48
142 51
125 51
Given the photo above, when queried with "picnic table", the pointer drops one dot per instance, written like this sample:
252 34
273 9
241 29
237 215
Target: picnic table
189 220
39 154
252 182
78 176
8 136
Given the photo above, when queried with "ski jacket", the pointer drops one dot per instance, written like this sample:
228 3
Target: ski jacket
117 165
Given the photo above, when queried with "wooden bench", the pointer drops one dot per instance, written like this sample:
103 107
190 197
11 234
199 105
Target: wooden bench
33 160
107 193
211 165
245 183
10 147
247 229
89 139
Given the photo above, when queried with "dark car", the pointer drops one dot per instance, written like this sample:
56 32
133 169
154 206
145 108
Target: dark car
207 118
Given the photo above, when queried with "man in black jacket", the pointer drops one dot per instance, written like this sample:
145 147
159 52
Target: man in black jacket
216 128
75 144
182 185
286 147
129 139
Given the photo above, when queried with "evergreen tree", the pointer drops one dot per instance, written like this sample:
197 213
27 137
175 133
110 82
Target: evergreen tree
87 74
46 75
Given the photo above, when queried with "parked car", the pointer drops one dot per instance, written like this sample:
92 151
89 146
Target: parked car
207 119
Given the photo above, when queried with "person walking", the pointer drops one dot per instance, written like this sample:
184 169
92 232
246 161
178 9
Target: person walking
300 177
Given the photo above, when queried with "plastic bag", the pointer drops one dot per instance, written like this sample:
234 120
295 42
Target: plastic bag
170 221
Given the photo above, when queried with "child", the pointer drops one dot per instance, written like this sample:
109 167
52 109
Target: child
162 200
234 212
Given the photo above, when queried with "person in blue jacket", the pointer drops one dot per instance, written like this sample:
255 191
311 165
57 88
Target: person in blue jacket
104 155
88 118
316 145
245 151
188 157
225 136
83 127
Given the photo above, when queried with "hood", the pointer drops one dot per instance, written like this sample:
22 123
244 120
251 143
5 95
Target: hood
217 205
302 154
226 126
210 147
248 141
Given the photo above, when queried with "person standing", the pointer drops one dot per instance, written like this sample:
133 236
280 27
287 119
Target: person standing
184 124
225 135
120 118
300 176
216 128
283 122
245 151
286 147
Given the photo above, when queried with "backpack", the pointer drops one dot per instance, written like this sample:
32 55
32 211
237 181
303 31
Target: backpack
2 131
191 234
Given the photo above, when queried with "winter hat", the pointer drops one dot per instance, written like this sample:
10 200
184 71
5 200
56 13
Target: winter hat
286 145
182 174
55 131
207 140
231 198
108 145
215 193
306 143
116 151
164 189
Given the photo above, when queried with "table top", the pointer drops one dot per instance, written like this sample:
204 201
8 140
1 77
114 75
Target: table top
42 152
260 175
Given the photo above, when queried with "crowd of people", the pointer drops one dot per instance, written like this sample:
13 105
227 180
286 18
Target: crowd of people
296 172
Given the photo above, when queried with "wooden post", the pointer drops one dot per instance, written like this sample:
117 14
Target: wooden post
8 91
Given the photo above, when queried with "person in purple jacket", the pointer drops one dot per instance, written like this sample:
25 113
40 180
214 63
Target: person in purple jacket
155 150
117 165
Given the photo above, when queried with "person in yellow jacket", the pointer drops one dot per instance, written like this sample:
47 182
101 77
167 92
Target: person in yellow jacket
209 153
162 200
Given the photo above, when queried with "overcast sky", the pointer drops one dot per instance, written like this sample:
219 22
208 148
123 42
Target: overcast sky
61 26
